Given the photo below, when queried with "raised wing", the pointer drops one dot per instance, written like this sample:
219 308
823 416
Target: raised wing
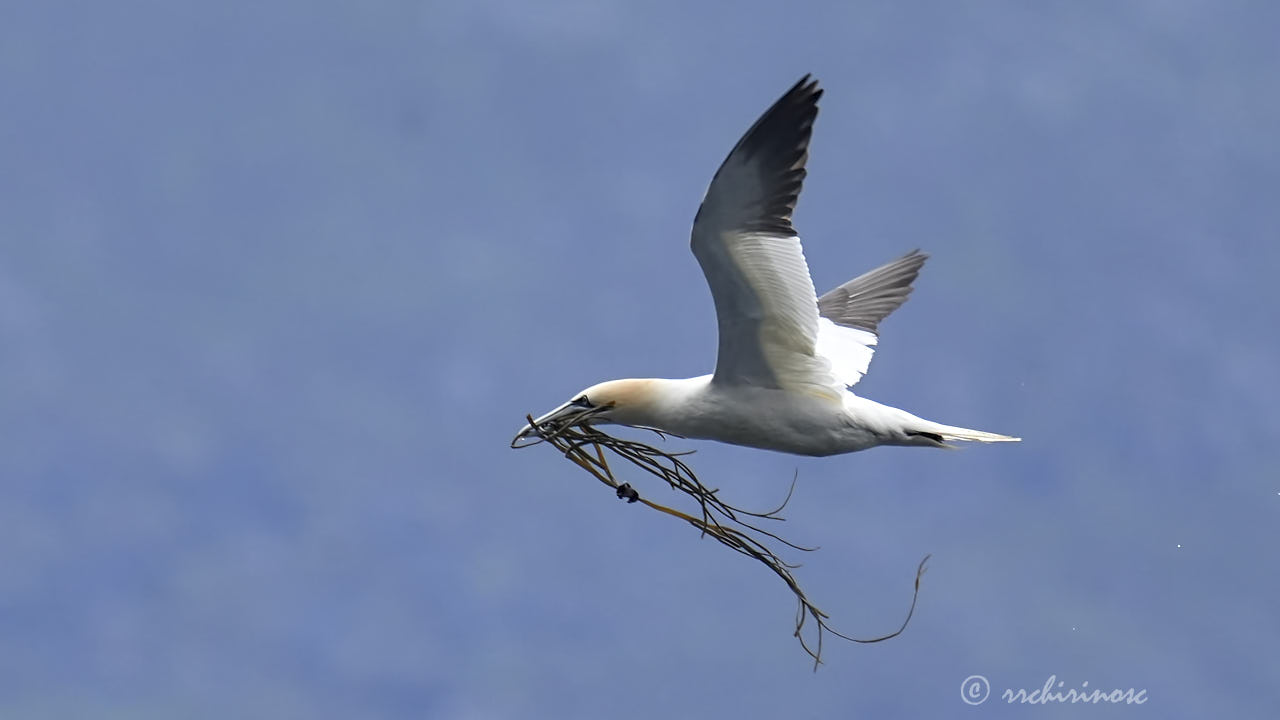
851 315
869 298
766 307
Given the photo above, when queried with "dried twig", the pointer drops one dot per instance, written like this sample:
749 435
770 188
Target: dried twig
585 445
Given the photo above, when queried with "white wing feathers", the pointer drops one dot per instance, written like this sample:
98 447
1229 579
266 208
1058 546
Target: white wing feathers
771 334
766 307
851 315
848 350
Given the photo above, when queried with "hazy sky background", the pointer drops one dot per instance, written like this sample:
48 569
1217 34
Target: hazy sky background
278 282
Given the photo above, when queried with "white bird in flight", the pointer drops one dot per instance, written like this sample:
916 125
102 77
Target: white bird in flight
787 359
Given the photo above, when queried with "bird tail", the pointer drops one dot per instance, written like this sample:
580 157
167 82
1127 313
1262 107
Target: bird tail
907 429
950 432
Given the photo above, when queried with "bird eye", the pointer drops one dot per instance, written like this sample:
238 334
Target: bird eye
581 402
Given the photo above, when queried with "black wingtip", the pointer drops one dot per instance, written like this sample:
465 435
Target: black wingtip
800 102
779 141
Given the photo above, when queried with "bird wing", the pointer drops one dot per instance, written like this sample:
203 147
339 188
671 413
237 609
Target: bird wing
766 306
850 315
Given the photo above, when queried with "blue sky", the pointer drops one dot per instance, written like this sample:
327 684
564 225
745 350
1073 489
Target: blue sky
278 283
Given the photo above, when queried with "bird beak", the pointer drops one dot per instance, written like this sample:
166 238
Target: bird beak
528 431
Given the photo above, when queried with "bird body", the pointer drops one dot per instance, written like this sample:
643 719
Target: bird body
787 359
799 423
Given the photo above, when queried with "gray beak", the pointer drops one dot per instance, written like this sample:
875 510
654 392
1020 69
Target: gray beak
527 431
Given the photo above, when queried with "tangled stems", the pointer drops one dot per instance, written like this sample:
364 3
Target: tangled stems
731 526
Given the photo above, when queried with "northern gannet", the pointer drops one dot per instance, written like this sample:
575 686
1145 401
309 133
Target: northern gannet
787 359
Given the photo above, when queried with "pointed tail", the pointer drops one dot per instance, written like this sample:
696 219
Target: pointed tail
950 432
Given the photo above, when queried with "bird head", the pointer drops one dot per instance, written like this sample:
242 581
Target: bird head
615 401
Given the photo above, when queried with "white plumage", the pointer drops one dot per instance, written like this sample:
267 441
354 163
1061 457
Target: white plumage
786 358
